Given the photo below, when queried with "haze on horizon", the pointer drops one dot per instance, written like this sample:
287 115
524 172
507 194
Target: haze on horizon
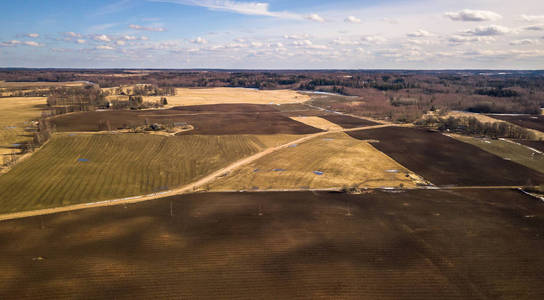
273 34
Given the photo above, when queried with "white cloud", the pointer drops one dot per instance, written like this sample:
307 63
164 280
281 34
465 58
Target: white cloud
459 39
421 42
488 30
33 35
10 43
468 15
199 40
302 43
130 37
342 42
506 53
81 41
17 42
144 38
535 27
524 42
419 33
390 20
217 47
120 42
144 28
32 44
532 18
236 46
308 45
104 47
373 39
352 19
101 38
315 18
256 44
72 34
245 8
322 47
296 37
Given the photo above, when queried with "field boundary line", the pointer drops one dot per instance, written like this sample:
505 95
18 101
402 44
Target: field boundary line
188 189
381 122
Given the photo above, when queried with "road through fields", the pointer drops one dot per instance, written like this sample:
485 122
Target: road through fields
191 187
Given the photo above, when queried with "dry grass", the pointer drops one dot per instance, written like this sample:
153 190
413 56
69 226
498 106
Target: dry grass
480 117
32 84
318 122
8 89
508 150
342 159
189 96
81 168
16 114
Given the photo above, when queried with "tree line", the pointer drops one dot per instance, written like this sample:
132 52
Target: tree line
472 126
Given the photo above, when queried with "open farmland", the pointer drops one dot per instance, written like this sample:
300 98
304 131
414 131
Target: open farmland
410 245
19 88
508 150
193 96
15 115
38 84
228 120
445 161
535 122
348 121
82 168
330 161
317 122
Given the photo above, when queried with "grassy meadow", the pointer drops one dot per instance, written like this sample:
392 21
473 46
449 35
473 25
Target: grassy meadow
331 161
80 168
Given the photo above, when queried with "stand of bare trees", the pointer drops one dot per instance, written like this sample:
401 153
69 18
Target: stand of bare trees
472 126
43 133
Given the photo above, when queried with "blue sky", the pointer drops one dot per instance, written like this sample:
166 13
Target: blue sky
273 34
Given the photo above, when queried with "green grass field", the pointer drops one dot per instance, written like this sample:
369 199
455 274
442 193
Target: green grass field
118 166
507 150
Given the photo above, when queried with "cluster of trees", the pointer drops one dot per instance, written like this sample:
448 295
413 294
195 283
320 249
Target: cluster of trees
9 159
521 107
70 99
497 92
24 92
43 132
472 126
148 90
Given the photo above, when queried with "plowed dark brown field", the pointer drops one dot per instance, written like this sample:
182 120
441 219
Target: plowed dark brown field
527 121
348 121
206 119
410 245
446 161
